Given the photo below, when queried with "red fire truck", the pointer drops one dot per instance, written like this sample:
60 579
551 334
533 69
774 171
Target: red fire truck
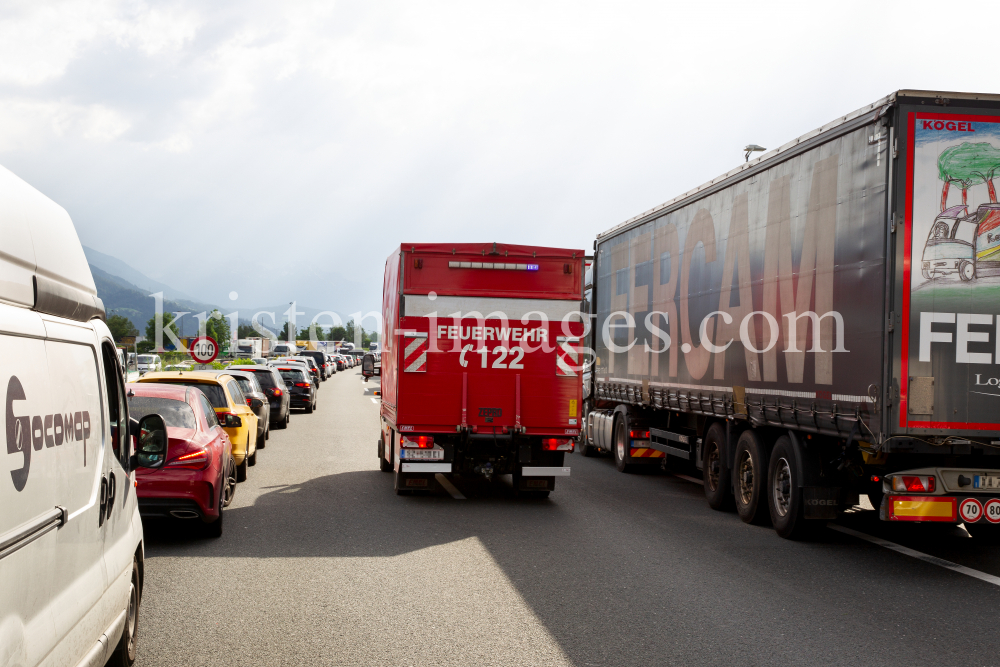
481 364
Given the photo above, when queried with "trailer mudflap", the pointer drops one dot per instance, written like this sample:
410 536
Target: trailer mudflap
821 502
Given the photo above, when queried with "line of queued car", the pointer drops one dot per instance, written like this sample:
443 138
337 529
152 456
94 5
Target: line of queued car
217 421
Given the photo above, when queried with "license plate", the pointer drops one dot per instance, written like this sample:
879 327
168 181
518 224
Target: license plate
422 454
986 482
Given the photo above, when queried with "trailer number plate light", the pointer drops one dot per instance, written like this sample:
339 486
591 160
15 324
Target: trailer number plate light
986 482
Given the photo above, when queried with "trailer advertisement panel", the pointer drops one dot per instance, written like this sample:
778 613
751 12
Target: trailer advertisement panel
771 288
951 292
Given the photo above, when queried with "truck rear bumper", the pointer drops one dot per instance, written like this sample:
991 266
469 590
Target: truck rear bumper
426 468
536 471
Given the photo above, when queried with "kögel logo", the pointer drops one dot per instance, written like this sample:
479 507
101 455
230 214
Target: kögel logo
951 126
27 433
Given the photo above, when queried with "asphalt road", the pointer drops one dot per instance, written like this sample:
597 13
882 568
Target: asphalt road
322 564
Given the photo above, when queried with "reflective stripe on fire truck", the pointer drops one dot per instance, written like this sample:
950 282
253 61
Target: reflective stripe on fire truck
415 344
567 356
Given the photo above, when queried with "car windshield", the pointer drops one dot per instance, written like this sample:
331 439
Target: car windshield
265 378
246 385
176 414
145 358
292 375
216 396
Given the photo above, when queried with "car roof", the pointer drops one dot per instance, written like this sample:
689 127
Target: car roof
190 376
256 368
152 389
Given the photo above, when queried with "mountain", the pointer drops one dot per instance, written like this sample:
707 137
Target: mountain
121 297
134 279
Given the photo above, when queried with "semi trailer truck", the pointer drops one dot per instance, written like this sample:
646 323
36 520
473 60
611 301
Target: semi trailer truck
481 364
818 323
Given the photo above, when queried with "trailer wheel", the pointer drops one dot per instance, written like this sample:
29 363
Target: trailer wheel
718 480
751 478
622 447
784 494
966 271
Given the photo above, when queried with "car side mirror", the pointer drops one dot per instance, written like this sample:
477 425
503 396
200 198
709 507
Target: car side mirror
256 403
150 434
233 421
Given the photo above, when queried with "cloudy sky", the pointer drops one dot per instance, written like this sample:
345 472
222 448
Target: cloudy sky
281 149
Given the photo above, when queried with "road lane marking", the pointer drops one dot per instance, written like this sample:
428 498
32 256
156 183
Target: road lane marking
906 551
374 401
449 487
892 546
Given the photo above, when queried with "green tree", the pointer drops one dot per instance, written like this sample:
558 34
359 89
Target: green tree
121 326
336 333
217 327
246 331
968 164
169 322
145 346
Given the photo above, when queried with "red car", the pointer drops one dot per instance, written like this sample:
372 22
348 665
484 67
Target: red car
199 477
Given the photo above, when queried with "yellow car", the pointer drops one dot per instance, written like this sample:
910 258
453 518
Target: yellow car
231 409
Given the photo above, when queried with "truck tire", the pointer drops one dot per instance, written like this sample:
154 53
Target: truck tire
383 465
718 477
784 497
125 652
750 478
622 446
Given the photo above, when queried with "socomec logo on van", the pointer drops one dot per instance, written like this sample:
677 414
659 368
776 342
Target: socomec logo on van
27 433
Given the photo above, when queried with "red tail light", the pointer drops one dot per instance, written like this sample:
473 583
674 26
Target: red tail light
639 435
417 441
195 459
275 392
302 384
913 483
557 445
248 403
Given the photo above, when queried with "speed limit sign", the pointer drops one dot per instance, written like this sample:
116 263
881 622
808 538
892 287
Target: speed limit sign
971 510
992 510
204 349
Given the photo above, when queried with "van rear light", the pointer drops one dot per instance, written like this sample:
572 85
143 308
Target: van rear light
913 483
417 441
557 445
639 435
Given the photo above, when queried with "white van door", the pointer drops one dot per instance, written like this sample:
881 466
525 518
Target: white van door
122 524
52 586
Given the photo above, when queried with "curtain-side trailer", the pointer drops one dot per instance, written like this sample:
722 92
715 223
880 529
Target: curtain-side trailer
819 323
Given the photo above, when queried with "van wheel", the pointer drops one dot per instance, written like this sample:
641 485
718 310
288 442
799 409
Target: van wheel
751 478
718 480
784 493
622 447
125 652
966 271
241 471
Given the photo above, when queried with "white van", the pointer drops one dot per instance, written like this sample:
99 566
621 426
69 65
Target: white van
71 549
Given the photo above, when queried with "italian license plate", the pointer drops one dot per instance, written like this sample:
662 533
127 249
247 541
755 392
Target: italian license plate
422 454
986 482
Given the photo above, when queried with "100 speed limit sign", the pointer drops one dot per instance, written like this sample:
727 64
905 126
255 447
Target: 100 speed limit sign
204 349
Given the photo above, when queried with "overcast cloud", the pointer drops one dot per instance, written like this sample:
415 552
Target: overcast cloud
324 133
